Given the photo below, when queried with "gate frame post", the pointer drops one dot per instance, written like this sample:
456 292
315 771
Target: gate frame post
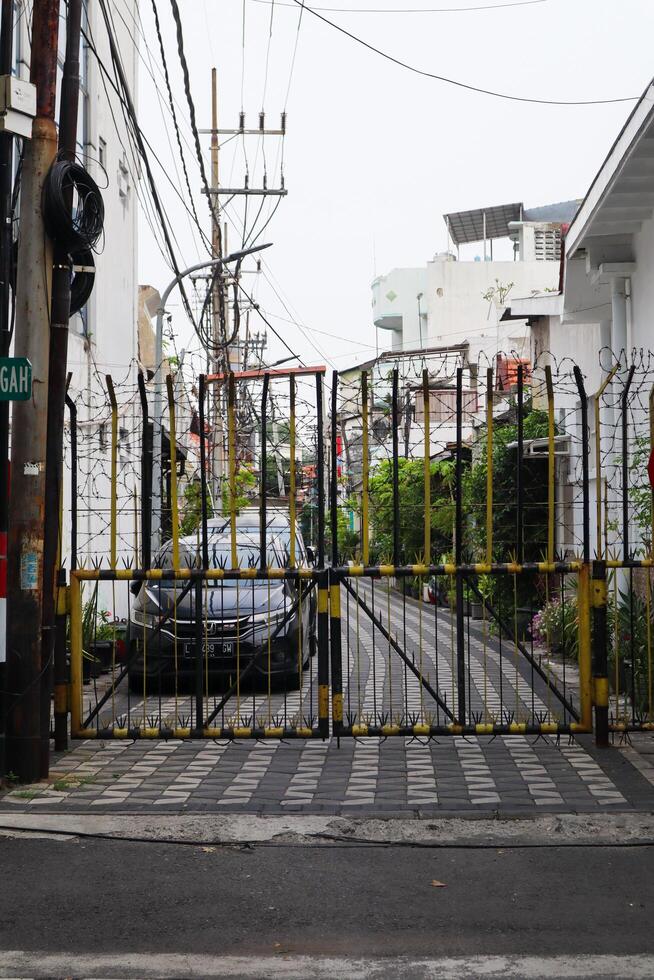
323 652
585 650
75 654
598 596
336 651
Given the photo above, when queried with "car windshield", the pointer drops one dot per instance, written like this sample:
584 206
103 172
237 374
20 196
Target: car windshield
220 551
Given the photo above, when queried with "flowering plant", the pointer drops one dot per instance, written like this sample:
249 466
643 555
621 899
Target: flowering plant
555 625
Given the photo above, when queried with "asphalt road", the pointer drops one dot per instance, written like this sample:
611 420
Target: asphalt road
80 898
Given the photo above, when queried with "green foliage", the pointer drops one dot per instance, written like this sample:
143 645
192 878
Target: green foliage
244 482
640 493
628 633
412 507
556 625
192 508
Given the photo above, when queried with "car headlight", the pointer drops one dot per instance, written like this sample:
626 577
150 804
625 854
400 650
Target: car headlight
274 617
141 618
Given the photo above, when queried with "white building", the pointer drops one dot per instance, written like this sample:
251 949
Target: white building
604 316
103 338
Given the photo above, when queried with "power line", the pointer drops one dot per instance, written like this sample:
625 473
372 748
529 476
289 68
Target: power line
453 81
413 10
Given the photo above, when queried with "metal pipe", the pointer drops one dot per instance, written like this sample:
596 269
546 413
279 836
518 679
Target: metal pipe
520 493
365 471
426 465
395 421
585 452
262 479
146 476
624 405
320 470
333 483
202 390
458 553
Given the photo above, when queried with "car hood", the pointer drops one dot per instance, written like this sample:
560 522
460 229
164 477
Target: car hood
221 603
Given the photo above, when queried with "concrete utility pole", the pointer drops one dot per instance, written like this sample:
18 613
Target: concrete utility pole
158 412
25 747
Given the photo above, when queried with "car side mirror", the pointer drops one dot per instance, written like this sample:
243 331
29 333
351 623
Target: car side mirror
135 587
311 555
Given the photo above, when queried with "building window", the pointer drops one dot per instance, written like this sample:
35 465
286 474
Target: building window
102 153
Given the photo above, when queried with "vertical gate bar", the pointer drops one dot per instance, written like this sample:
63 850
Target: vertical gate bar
333 481
114 467
489 466
396 470
365 471
174 506
323 652
598 454
458 553
585 452
320 470
75 656
336 652
625 463
427 464
146 476
60 665
585 652
263 517
520 492
231 450
551 466
600 653
72 408
291 489
651 449
199 658
202 393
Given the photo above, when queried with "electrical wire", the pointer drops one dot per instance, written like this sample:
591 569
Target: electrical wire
453 81
415 10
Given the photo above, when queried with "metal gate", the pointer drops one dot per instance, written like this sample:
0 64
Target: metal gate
484 625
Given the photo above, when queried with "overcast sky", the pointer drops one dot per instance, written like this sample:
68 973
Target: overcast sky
375 155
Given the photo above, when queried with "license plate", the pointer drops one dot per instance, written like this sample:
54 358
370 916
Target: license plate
212 649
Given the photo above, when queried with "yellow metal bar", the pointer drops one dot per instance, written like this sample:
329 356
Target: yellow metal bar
427 464
174 504
76 653
114 468
551 464
365 471
585 658
231 450
598 454
489 466
651 447
292 490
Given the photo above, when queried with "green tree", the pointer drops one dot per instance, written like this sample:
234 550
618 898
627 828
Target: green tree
192 507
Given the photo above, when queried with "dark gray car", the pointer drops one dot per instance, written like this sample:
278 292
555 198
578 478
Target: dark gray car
253 624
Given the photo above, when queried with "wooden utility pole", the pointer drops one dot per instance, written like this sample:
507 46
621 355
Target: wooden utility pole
25 669
6 182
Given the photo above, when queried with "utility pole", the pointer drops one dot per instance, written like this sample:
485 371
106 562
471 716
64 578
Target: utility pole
60 316
28 445
227 356
6 175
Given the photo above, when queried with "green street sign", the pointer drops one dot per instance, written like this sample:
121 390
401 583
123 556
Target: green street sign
15 379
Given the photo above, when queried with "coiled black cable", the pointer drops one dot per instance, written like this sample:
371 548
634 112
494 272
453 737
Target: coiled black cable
81 228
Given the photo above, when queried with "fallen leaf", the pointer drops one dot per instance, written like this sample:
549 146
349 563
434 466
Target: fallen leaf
438 884
208 850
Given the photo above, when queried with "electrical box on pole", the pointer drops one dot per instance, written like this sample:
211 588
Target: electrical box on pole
17 106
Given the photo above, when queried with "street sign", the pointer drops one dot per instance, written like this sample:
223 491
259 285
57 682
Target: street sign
15 379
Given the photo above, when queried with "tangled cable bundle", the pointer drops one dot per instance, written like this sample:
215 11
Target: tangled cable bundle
81 229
